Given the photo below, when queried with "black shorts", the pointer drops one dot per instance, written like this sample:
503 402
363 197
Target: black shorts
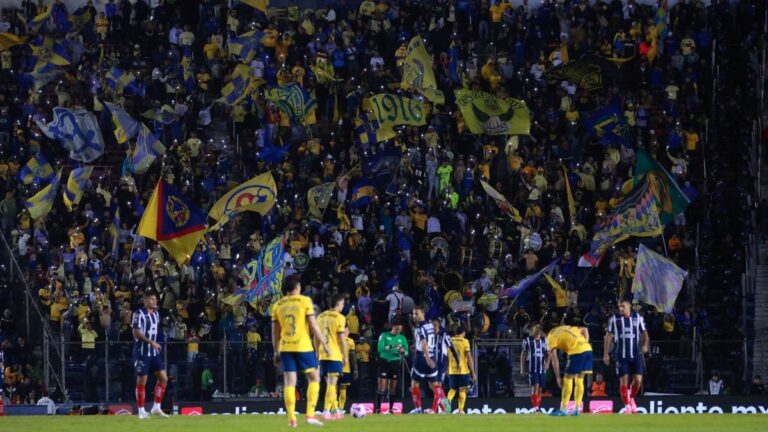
389 369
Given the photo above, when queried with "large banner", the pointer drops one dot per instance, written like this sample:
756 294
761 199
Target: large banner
394 109
487 114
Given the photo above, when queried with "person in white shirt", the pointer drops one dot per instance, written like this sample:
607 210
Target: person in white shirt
258 67
48 403
715 384
173 35
433 226
316 249
377 62
395 299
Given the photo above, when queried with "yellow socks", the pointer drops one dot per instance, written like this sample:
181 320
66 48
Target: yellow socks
578 392
313 393
451 394
289 395
462 400
330 397
342 397
567 390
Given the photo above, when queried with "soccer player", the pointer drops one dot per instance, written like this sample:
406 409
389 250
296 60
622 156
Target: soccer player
424 365
627 330
348 372
146 354
574 341
293 316
443 342
534 359
461 370
391 347
332 327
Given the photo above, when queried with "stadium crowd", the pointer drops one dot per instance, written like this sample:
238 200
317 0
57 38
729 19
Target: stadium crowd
384 255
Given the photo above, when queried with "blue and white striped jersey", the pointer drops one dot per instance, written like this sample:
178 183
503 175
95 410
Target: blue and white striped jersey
147 323
426 331
537 350
626 335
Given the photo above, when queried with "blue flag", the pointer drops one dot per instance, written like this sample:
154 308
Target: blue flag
36 170
382 167
520 287
79 132
609 125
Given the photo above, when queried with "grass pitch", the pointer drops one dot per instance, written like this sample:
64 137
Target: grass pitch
405 423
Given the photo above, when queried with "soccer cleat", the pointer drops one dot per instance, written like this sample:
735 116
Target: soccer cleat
293 423
416 411
575 413
339 415
143 415
327 415
627 409
157 411
633 406
313 421
558 413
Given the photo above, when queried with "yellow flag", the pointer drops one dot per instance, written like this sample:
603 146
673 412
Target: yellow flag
8 40
571 203
418 73
504 205
318 198
561 298
258 194
394 109
261 5
485 113
40 204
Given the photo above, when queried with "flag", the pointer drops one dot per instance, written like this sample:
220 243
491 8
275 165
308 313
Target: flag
502 202
123 82
382 167
8 40
657 280
241 85
37 169
39 20
40 204
670 199
653 51
273 154
75 187
148 147
293 100
115 231
324 72
187 69
258 194
263 275
362 193
79 132
171 220
561 297
586 76
391 110
261 5
78 20
609 125
246 45
369 132
43 74
318 198
47 50
485 113
569 196
520 287
417 70
123 125
661 20
636 215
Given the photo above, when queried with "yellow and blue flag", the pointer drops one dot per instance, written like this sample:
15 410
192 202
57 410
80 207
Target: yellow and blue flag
148 147
362 193
75 187
670 199
41 203
263 275
382 167
187 69
661 20
47 50
8 40
609 125
123 125
569 197
245 45
240 86
173 221
520 287
485 113
43 74
658 280
36 170
318 198
391 110
258 194
260 5
293 100
114 230
636 215
123 82
39 20
501 201
79 132
370 132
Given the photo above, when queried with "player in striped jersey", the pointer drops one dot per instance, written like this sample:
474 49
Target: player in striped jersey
146 354
628 335
534 359
425 363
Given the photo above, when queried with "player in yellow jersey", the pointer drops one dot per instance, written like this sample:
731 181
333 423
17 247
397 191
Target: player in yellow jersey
293 316
333 327
461 370
573 341
348 372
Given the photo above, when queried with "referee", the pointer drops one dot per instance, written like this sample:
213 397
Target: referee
392 346
627 331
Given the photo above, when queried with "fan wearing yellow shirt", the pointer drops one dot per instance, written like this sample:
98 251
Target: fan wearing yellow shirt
574 341
461 370
293 316
333 327
348 372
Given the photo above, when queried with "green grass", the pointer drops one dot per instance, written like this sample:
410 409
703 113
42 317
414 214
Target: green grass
405 423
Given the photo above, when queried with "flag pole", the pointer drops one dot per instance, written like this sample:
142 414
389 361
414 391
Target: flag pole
664 242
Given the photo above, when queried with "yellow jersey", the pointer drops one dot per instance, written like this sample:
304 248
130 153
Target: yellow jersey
331 323
568 339
458 366
292 312
350 352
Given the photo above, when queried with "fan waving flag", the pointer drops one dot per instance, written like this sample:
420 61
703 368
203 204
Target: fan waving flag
263 275
172 220
124 126
75 187
40 204
258 194
318 198
658 280
36 170
79 132
488 114
502 202
520 287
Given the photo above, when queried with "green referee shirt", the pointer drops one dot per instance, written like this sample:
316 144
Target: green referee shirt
389 344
